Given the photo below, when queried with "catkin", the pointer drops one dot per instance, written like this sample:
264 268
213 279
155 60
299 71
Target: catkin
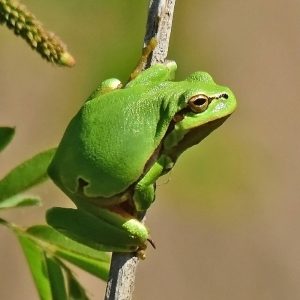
24 24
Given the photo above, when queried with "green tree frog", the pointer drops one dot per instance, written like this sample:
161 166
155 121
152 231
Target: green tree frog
121 141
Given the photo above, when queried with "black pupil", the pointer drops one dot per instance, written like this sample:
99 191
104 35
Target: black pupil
199 101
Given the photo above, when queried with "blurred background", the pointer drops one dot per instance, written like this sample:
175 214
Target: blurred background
226 220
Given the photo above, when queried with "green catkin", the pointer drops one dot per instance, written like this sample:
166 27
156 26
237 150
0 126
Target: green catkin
17 18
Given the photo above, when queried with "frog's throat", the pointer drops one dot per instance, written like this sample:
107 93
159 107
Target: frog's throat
194 137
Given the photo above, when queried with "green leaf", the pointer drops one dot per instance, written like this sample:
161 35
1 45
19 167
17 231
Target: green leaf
20 201
37 263
6 135
43 247
76 291
4 222
91 260
56 277
26 175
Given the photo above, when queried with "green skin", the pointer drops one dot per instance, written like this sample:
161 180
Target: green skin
121 141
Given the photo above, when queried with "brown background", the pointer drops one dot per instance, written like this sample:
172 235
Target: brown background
226 220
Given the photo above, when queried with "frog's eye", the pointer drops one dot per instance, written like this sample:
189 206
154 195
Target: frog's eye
198 103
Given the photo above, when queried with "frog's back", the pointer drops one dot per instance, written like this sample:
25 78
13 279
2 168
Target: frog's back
108 145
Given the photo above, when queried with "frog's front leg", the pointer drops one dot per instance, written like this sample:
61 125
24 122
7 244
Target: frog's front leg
144 193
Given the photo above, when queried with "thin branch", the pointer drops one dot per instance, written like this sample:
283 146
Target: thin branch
159 25
123 267
120 285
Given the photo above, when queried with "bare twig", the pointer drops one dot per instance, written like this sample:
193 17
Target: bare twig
120 285
159 25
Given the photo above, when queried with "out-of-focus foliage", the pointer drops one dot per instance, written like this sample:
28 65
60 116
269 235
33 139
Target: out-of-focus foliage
42 245
27 174
6 135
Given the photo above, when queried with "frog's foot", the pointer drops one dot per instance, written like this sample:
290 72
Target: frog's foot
141 254
127 211
146 52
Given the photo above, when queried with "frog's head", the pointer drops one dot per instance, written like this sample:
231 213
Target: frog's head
203 106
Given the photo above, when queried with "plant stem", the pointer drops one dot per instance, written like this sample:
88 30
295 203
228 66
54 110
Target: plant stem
120 285
159 25
122 276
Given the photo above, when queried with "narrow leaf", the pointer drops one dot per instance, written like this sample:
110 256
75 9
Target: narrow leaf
20 201
93 261
56 278
5 223
76 290
99 269
37 264
26 175
6 135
